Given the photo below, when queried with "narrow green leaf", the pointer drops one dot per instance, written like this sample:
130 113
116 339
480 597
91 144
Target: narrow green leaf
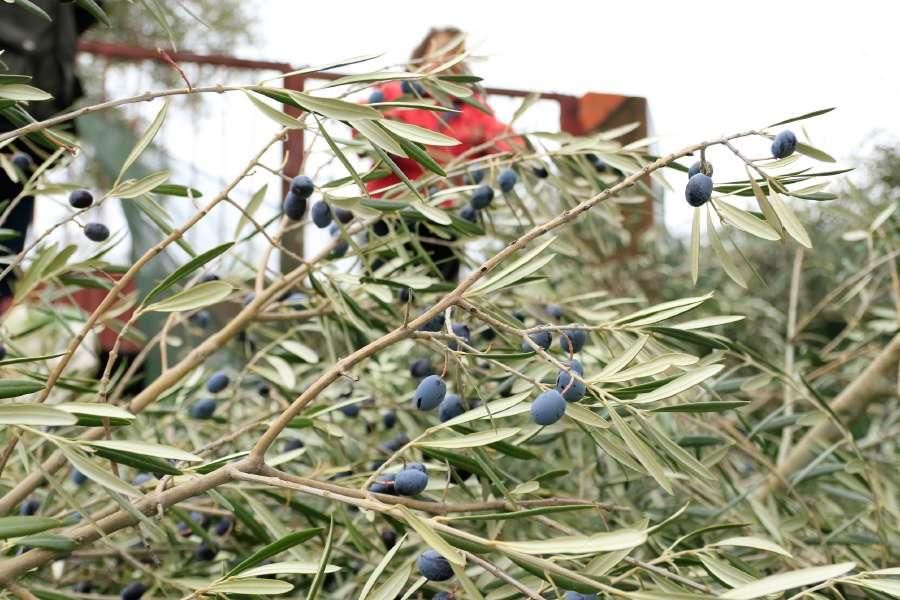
144 141
276 547
280 117
745 221
680 384
97 473
333 108
29 414
472 440
198 296
316 586
787 581
753 542
186 269
132 188
147 449
251 208
286 568
430 536
47 541
11 527
600 542
808 115
380 567
251 586
414 133
695 246
815 153
789 220
23 93
724 258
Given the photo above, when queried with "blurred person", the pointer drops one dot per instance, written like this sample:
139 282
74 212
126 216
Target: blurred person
474 128
45 51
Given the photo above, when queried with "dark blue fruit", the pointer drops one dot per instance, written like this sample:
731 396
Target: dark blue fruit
292 444
429 393
203 409
698 190
2 351
83 587
389 419
321 214
571 392
695 168
384 484
350 410
380 228
22 162
444 596
555 311
133 591
389 538
209 277
410 87
475 175
294 206
599 164
200 318
302 186
433 566
223 526
410 482
576 596
784 144
217 382
548 408
263 390
205 552
460 330
540 172
29 507
573 339
96 232
78 478
405 295
451 406
435 323
80 199
397 442
340 249
507 180
482 197
376 96
342 214
541 338
141 479
421 367
468 213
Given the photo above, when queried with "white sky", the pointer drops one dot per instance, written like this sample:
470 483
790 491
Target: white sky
707 68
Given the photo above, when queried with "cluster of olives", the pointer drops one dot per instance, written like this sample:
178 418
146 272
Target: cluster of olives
700 184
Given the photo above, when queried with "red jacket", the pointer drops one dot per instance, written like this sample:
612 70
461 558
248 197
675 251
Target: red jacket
470 126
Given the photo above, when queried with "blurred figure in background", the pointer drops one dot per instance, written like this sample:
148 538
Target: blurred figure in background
45 51
475 126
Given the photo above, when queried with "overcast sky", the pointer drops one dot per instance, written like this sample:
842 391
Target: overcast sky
707 68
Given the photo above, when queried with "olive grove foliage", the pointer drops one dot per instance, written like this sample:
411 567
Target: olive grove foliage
686 463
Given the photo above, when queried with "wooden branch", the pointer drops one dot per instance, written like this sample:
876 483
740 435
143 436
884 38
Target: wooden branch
849 403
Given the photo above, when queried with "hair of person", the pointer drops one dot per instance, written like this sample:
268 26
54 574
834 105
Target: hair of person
421 49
